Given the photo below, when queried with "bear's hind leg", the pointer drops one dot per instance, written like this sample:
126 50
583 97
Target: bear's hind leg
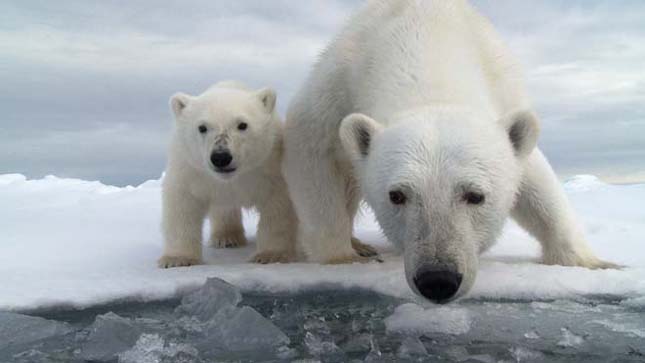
544 211
227 230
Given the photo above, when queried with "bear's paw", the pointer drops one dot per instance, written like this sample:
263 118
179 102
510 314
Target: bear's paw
234 239
268 257
178 261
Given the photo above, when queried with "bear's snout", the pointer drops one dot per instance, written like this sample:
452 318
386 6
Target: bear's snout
221 159
438 286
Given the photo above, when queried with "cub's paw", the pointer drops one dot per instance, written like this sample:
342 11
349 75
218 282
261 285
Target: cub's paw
228 240
363 249
267 257
177 261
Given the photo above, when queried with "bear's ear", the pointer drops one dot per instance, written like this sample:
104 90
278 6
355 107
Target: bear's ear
523 129
178 103
357 132
268 98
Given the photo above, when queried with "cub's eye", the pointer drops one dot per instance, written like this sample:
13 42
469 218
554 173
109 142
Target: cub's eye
242 126
202 129
474 198
397 197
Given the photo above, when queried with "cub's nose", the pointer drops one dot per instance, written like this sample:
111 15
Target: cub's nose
221 159
438 286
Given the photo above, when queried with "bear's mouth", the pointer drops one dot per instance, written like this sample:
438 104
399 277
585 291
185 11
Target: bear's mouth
227 170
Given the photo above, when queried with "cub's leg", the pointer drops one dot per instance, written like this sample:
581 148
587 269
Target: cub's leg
277 229
544 211
182 221
227 230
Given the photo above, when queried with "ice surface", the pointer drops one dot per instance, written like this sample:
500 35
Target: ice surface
412 319
87 251
16 329
151 348
242 329
109 336
214 295
630 327
348 326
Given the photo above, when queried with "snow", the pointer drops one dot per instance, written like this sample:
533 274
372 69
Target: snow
70 243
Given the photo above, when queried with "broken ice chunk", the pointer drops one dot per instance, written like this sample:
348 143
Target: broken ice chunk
18 329
320 346
109 336
411 347
151 348
569 339
215 295
533 334
412 319
243 329
521 354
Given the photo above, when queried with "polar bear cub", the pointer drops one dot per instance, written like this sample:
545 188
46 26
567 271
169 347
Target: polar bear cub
225 155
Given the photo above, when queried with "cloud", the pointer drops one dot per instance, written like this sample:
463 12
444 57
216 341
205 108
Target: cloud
84 81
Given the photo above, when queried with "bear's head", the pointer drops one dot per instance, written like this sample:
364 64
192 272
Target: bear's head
441 184
227 130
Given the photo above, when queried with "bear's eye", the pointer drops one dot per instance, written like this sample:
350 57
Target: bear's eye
242 126
202 129
474 198
397 197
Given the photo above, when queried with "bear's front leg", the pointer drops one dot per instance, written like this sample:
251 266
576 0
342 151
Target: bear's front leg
227 230
276 237
544 211
182 221
319 190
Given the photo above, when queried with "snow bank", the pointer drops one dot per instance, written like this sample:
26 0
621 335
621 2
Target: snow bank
75 243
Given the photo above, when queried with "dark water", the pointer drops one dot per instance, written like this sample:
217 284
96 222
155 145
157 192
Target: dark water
348 325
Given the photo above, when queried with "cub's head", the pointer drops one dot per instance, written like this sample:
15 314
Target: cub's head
228 130
441 184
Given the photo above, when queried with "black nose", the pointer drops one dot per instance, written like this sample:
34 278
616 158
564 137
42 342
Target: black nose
221 159
438 286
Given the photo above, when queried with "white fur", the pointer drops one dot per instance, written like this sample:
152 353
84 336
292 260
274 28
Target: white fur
192 189
447 114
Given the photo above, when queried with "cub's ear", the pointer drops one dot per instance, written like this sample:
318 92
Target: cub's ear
268 98
523 129
357 132
179 102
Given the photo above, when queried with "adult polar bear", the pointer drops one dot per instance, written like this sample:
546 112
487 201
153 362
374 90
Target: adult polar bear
440 141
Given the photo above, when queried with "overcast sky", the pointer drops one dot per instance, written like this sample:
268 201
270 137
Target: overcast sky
85 84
